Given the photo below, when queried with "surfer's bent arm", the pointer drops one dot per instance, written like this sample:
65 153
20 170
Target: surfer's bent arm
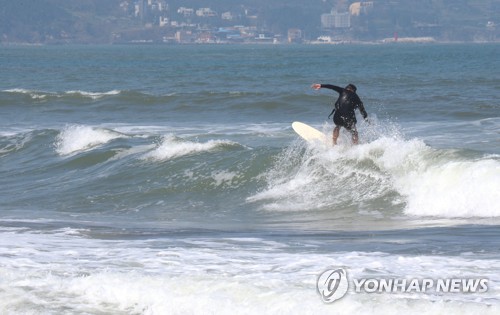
362 110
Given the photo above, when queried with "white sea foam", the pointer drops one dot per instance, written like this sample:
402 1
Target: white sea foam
432 182
454 189
94 95
437 184
33 94
172 147
22 91
76 138
223 177
55 273
43 94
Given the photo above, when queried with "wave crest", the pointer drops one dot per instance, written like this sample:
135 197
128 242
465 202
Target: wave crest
78 138
40 95
172 147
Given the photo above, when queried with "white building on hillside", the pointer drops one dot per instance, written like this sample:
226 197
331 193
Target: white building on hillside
336 20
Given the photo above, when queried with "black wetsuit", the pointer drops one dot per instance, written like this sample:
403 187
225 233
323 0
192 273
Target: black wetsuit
345 105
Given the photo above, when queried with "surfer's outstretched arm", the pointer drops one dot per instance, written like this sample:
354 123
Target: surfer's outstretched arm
318 86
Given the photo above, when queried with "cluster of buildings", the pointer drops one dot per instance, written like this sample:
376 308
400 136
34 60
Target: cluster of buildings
197 25
205 25
234 34
158 22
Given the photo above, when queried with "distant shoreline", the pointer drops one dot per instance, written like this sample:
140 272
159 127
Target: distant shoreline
386 41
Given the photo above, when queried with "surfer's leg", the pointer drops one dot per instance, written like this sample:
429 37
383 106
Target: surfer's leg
351 127
336 132
354 134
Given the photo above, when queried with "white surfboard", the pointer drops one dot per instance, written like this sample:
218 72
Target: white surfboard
309 133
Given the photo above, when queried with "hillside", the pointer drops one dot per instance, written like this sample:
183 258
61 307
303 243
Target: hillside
101 21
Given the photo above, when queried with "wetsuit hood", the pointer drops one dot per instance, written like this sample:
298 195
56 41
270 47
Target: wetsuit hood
351 87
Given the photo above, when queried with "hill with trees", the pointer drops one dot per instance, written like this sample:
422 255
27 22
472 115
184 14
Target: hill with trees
103 21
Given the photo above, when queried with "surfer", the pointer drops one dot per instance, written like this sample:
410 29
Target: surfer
343 112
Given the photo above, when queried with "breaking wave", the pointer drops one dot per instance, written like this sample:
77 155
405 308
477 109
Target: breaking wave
172 147
386 172
77 138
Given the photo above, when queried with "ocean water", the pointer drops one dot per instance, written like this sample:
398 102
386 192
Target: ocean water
168 179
